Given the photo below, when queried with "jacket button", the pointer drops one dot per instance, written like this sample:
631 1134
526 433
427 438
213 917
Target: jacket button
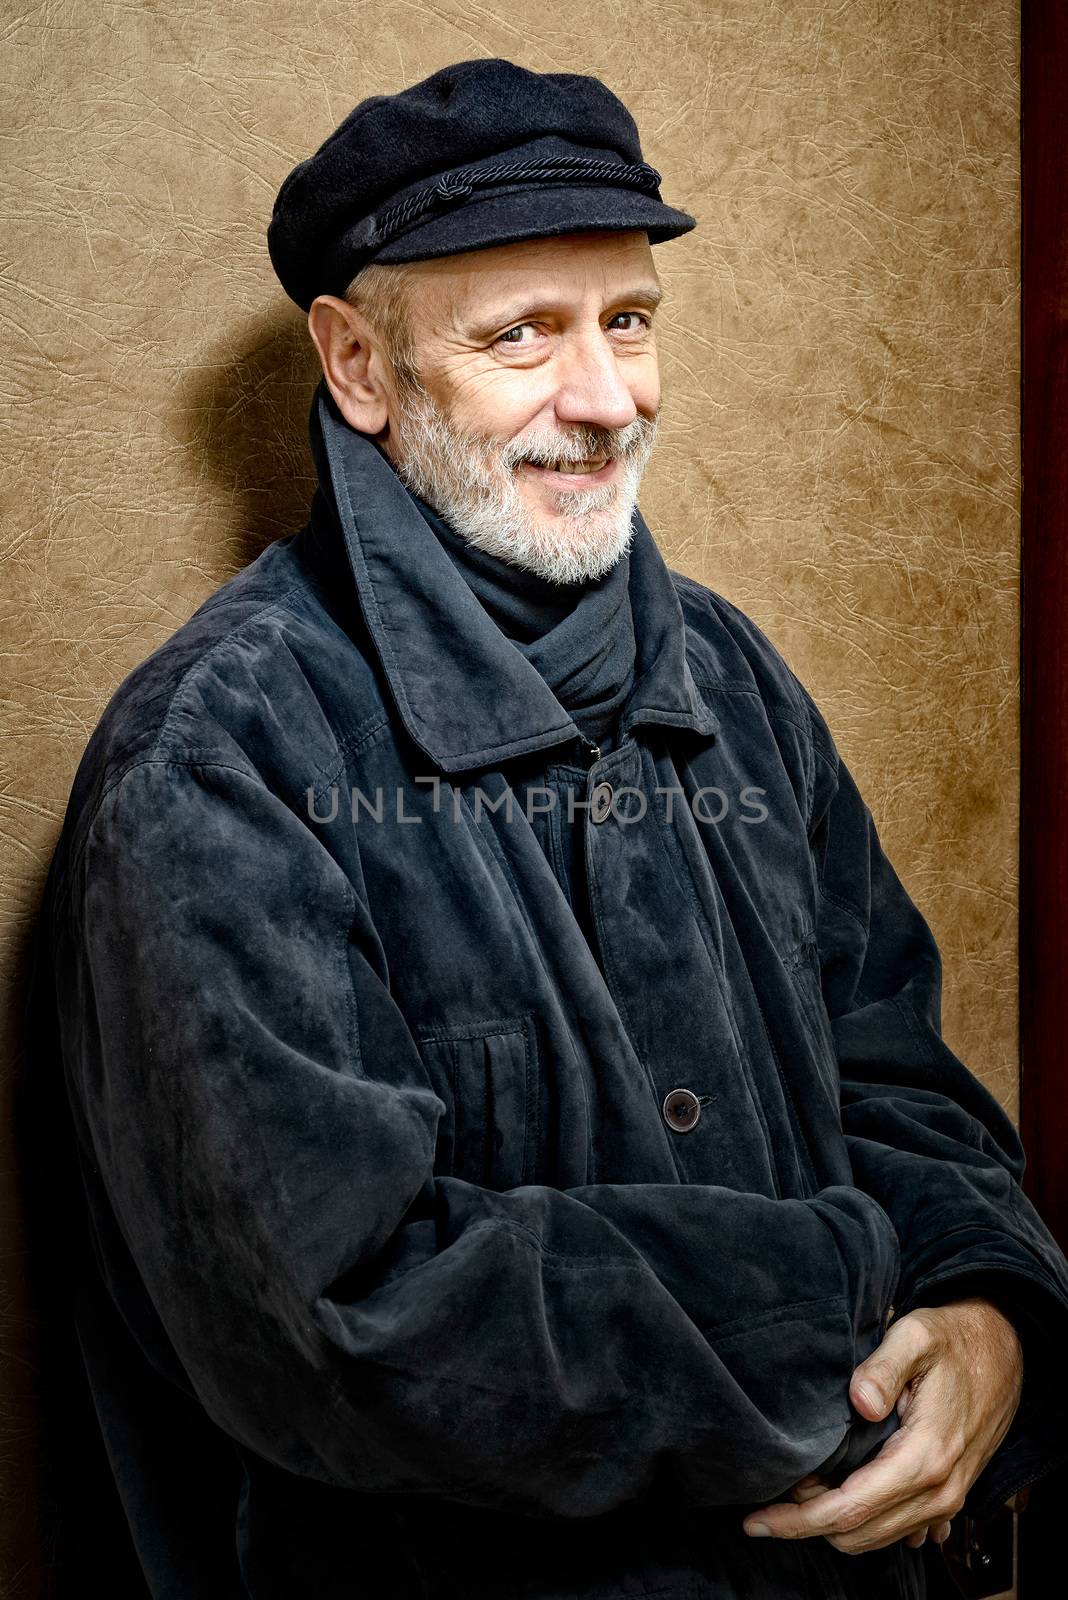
601 802
681 1109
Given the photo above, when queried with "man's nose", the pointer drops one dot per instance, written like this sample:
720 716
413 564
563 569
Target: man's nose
592 388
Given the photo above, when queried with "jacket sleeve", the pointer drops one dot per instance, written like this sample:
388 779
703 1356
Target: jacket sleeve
254 1106
925 1137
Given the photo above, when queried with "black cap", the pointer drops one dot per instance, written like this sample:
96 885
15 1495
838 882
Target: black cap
480 153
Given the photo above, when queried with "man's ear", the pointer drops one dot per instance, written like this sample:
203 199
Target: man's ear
352 365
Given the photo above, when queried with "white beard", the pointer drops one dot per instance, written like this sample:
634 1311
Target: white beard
471 482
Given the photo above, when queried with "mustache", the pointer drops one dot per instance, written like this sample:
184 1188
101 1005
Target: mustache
588 444
486 453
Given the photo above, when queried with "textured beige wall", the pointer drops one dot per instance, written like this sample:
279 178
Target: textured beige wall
839 354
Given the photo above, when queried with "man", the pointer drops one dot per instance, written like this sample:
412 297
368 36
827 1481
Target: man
521 1158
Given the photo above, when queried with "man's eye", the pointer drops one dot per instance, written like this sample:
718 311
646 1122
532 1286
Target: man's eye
646 323
505 337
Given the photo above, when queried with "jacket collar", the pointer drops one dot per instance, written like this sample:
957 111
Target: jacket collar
465 694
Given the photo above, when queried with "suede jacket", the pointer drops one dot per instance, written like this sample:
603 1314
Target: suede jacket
497 1154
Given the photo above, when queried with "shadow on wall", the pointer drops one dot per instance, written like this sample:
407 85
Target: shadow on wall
241 416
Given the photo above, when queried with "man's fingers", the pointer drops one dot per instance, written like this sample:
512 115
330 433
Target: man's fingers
801 1493
891 1492
805 1488
852 1526
877 1383
939 1532
913 1522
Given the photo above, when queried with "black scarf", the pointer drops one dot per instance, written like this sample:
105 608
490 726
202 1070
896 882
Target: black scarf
579 636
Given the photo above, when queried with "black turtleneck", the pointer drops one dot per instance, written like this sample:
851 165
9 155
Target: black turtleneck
579 636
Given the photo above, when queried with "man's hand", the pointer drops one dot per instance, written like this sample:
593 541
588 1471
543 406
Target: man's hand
955 1373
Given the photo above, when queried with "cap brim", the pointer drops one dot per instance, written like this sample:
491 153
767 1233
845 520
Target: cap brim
543 212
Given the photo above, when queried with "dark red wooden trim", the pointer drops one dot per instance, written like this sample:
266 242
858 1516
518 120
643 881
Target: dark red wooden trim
1044 707
1044 753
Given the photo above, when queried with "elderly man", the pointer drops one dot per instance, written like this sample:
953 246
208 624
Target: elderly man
520 1153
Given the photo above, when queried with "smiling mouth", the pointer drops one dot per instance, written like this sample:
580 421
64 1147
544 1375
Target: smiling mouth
597 470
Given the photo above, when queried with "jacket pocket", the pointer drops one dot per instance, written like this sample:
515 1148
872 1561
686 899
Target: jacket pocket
486 1073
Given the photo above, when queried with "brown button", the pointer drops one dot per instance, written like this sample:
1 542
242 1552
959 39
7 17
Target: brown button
681 1109
601 801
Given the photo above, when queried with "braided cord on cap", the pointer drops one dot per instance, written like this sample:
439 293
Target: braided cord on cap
452 188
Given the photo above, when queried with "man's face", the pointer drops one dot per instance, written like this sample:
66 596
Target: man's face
533 357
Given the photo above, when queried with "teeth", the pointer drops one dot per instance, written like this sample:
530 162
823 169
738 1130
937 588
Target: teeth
572 466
